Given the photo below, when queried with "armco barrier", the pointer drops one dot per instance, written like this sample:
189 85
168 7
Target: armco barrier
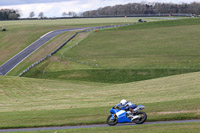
54 52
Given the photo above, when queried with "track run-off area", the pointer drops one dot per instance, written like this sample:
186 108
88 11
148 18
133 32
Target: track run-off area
14 61
92 126
18 58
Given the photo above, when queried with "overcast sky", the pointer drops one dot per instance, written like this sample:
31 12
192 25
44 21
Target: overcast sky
53 8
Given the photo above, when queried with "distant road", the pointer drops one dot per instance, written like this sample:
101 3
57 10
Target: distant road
14 61
91 126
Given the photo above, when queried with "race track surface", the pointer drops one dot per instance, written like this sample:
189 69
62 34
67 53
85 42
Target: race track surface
91 126
14 61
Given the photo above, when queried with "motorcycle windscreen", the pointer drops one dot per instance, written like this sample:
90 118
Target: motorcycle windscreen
121 115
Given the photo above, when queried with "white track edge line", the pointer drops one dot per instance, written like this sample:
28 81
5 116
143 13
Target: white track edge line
41 46
22 50
31 52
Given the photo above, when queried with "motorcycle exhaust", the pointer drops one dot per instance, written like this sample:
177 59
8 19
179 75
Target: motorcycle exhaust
135 117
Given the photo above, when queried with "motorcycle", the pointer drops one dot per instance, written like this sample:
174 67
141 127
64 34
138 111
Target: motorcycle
120 115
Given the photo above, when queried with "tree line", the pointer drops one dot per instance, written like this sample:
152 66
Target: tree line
117 10
144 8
9 14
41 14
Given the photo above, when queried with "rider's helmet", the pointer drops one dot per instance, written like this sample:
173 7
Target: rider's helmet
123 102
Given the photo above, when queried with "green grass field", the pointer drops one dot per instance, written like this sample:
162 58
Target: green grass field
22 33
155 64
133 53
42 52
157 128
27 102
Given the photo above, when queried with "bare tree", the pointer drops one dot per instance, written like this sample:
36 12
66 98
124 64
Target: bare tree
72 14
41 15
32 14
64 14
18 13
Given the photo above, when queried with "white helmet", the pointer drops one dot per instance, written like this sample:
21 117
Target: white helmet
123 102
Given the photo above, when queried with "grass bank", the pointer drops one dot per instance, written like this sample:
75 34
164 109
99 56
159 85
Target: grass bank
102 75
27 102
42 52
156 128
22 33
132 53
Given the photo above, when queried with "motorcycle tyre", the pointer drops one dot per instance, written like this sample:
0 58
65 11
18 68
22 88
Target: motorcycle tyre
111 124
141 122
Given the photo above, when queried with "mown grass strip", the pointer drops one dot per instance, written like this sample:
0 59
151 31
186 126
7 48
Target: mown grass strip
160 111
126 55
155 128
22 33
41 53
105 75
166 23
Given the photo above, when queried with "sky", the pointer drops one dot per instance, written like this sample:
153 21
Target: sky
55 8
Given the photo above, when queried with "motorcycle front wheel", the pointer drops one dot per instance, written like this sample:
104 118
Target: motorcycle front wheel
112 122
142 119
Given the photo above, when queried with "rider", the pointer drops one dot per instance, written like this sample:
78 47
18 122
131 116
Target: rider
128 105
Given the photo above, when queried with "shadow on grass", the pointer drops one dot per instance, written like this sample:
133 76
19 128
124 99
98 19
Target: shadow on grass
107 75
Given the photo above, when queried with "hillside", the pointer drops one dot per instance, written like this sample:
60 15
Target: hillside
27 102
133 53
21 33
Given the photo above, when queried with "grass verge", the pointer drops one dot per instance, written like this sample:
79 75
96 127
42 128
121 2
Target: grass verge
46 49
116 76
156 128
96 115
27 102
132 53
22 33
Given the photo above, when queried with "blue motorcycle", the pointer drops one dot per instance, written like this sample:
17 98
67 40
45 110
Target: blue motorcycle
120 115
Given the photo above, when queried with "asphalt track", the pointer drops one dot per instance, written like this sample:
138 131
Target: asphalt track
14 61
91 126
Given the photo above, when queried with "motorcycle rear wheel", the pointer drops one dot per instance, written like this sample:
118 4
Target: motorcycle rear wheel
142 119
112 122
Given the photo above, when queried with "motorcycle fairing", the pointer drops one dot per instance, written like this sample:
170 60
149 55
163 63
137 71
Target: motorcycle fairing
121 115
